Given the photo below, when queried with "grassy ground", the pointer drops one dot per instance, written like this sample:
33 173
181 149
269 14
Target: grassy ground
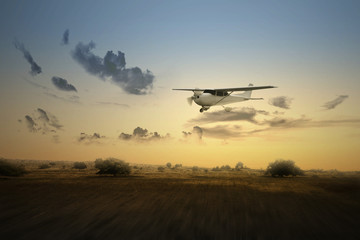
64 203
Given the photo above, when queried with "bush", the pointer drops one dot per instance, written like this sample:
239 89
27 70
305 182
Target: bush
195 168
239 166
79 165
168 165
178 165
161 169
283 168
44 166
225 168
10 169
112 166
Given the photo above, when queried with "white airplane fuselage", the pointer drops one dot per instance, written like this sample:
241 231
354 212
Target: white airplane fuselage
207 100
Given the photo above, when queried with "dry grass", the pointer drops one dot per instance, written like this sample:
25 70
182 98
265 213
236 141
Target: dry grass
66 203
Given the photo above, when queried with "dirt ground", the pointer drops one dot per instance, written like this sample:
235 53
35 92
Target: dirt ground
63 203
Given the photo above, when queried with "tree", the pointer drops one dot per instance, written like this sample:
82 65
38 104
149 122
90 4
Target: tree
239 166
79 165
44 166
112 166
168 165
283 168
10 169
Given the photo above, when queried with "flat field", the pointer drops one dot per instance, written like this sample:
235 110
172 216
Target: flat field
64 203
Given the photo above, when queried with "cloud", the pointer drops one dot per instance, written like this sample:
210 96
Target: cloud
89 139
131 80
65 37
43 122
278 122
71 99
30 123
195 135
332 104
223 132
48 119
35 68
281 102
198 132
245 114
63 84
142 135
114 104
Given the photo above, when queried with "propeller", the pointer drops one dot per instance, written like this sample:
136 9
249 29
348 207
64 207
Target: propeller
193 97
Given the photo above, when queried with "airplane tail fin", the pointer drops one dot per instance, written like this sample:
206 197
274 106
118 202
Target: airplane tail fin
247 94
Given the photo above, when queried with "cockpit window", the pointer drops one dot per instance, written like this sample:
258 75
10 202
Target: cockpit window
217 93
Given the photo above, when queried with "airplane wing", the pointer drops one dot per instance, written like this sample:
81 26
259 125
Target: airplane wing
227 89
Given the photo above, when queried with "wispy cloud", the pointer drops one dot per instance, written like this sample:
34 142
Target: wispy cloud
142 135
62 84
70 99
245 114
65 37
281 102
35 68
30 124
90 139
131 80
114 104
334 103
43 122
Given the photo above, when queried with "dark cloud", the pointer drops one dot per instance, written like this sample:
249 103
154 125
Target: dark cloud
65 37
140 132
142 135
131 80
88 139
43 122
281 102
245 114
198 132
62 84
35 68
196 135
49 119
30 123
332 104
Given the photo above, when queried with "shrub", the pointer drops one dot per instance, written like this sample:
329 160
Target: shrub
195 168
178 165
44 166
112 166
168 165
79 165
161 169
10 169
239 166
283 168
215 169
225 167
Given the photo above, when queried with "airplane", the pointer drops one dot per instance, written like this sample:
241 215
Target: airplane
207 98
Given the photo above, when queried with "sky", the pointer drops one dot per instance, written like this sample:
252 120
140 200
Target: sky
82 80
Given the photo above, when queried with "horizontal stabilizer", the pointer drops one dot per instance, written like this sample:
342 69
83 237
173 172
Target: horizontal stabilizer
254 98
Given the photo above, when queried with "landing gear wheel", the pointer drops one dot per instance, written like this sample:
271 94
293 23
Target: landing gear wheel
201 110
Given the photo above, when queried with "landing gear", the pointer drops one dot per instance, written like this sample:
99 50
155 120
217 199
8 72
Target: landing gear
204 109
